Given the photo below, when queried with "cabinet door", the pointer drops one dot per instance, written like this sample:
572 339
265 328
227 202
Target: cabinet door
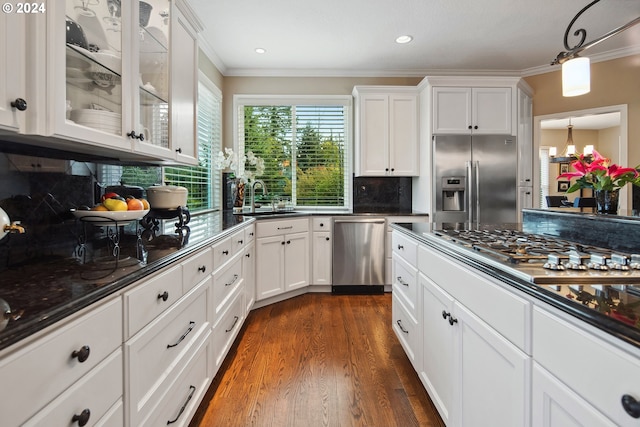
525 140
525 199
437 346
491 110
269 266
296 264
556 405
451 110
486 360
13 66
322 247
249 275
372 147
403 131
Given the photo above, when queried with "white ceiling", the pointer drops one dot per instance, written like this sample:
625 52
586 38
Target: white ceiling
587 122
356 37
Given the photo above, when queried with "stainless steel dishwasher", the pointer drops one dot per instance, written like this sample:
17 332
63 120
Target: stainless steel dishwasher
358 255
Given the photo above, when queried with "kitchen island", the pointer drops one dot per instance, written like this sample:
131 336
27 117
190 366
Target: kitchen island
467 318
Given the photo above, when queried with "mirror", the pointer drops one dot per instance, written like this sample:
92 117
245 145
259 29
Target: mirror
604 128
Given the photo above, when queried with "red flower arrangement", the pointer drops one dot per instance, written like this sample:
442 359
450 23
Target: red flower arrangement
600 174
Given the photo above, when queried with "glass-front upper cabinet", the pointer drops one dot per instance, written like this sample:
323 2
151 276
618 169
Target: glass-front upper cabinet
96 73
153 67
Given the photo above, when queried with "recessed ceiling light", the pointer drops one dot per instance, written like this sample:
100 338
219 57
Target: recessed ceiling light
404 39
260 50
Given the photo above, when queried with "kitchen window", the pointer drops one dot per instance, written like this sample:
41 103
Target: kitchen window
203 185
305 143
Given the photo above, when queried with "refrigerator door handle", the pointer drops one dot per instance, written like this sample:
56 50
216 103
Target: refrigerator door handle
477 190
470 180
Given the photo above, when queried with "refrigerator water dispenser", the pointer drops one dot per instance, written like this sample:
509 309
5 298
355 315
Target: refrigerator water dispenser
453 189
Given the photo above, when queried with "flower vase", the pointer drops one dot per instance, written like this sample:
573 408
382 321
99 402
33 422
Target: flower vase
238 195
607 201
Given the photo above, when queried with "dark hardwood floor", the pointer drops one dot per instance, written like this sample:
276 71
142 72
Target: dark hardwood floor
318 360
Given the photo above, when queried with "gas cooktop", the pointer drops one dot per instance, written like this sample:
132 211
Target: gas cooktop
546 259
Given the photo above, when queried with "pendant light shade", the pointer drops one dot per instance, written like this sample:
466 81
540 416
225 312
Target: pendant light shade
576 77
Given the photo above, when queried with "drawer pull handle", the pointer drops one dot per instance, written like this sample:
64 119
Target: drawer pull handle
82 354
286 228
235 277
235 320
202 269
402 282
225 252
191 325
445 315
631 405
192 390
400 247
399 322
83 418
452 320
164 296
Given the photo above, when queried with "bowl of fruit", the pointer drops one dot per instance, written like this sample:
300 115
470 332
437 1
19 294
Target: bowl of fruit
113 208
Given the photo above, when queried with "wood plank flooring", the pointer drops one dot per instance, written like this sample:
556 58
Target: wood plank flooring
318 360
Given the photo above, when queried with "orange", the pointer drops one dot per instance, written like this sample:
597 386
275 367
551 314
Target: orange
134 204
145 204
99 208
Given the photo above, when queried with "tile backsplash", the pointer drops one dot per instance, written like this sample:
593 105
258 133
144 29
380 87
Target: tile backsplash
382 195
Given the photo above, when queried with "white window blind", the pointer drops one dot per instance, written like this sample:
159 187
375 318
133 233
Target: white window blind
203 184
305 145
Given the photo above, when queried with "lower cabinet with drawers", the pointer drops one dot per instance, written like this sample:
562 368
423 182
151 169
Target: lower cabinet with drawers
144 356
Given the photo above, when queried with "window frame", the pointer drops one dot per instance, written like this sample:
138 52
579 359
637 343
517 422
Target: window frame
240 101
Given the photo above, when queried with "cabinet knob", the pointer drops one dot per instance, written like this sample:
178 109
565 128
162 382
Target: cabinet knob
288 242
322 224
133 135
248 255
400 247
470 127
528 192
19 104
82 354
327 239
178 150
203 268
386 169
240 241
83 418
452 320
164 296
393 169
631 405
445 314
475 127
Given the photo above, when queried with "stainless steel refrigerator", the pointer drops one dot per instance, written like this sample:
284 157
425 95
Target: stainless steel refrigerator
475 178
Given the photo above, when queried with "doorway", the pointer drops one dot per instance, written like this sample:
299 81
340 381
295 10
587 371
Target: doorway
605 128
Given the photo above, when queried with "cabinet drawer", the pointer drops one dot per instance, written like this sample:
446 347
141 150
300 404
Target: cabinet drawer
222 252
36 374
96 392
405 282
237 242
149 299
405 327
322 223
570 354
196 268
405 247
249 233
279 228
503 310
151 356
225 282
181 399
227 328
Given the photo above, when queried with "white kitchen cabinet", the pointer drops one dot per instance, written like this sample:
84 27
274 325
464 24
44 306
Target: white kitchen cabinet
472 110
282 256
37 164
525 139
13 65
322 251
568 350
556 405
386 131
71 351
406 328
437 346
123 91
249 276
484 359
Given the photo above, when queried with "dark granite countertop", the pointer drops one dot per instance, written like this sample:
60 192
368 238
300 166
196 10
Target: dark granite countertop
580 302
53 285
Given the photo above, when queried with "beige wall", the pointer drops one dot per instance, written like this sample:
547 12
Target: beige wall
612 83
210 70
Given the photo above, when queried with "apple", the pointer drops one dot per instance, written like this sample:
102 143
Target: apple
110 195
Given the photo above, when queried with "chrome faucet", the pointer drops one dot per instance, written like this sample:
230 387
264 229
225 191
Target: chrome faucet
253 193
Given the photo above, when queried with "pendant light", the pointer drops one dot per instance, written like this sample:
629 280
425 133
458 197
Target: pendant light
571 147
576 77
